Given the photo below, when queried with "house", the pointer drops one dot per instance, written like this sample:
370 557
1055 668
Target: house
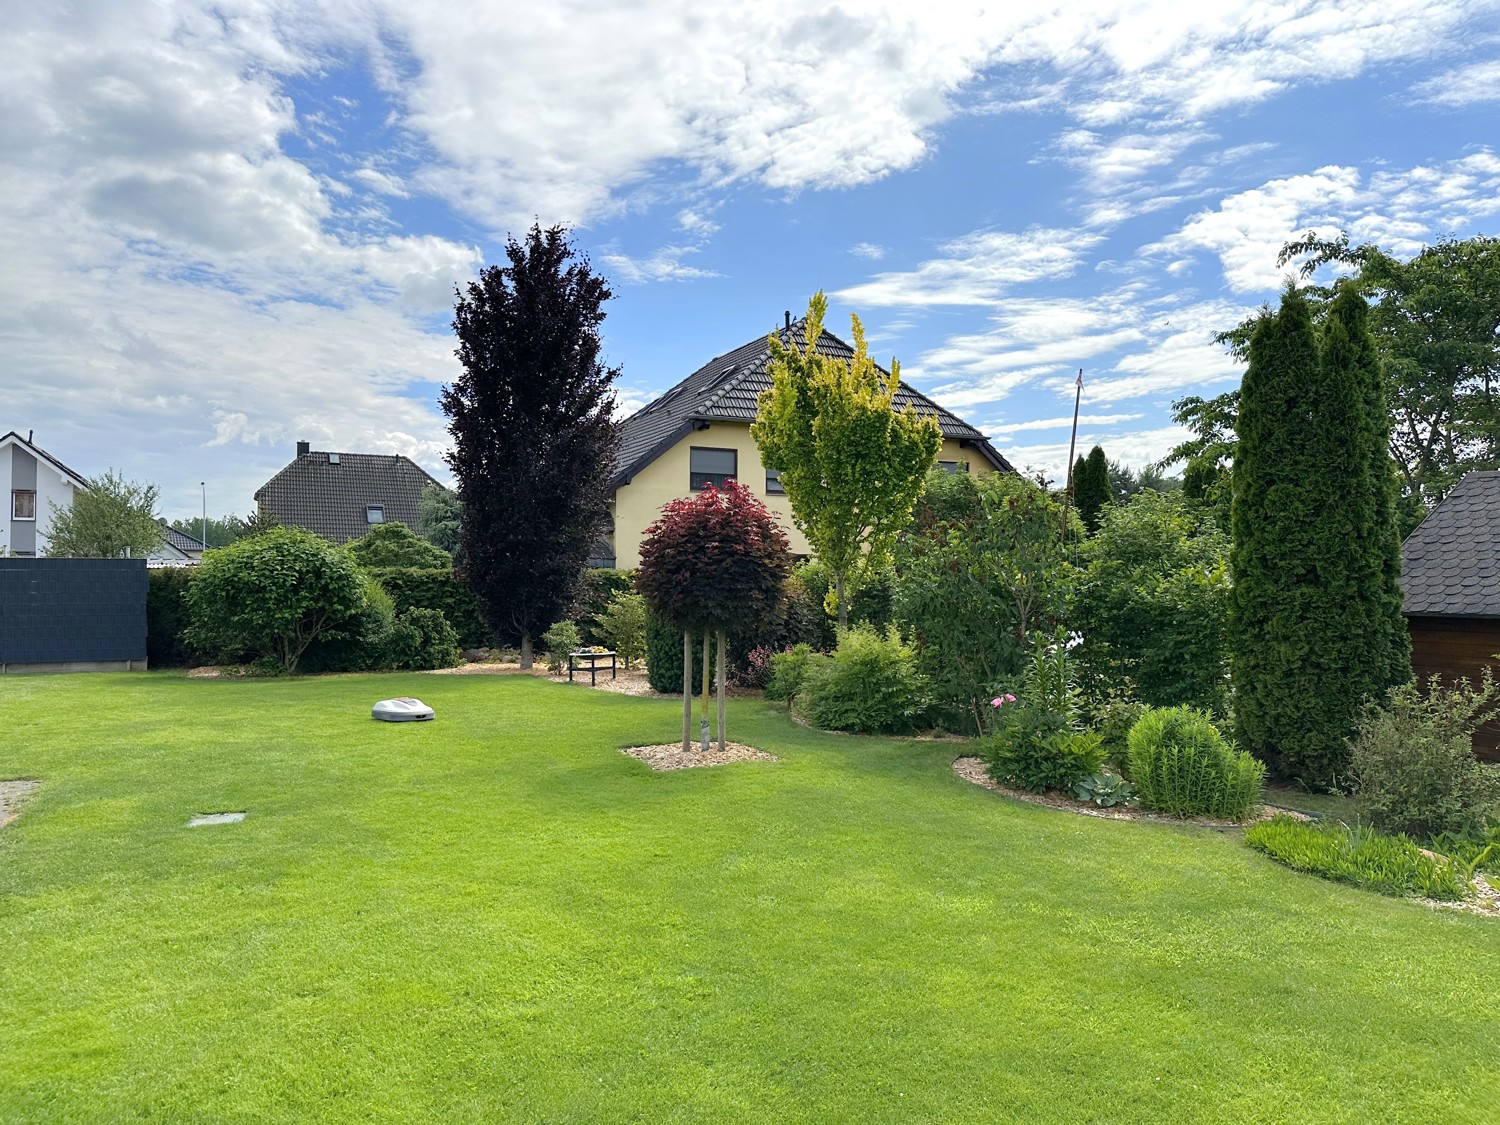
340 496
32 482
1450 582
176 547
698 433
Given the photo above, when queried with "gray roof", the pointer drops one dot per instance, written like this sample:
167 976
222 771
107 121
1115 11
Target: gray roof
729 386
182 542
329 498
37 451
1450 565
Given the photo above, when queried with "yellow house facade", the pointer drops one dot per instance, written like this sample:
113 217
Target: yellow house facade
698 433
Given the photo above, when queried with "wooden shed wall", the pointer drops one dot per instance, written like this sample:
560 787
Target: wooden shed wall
1458 646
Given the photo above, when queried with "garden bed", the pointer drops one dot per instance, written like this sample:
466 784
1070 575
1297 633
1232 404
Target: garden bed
973 770
669 756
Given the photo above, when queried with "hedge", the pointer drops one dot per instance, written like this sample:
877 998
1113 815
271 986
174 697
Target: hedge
167 618
415 588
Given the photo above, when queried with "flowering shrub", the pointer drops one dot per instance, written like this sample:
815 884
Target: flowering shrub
1036 740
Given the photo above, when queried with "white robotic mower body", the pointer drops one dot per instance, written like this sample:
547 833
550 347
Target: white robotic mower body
402 710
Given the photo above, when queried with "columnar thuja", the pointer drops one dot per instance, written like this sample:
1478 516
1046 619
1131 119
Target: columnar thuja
712 563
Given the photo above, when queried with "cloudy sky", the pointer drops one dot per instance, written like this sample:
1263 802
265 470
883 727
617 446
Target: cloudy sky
225 227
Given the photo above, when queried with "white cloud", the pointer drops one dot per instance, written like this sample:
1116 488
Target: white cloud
870 251
664 264
696 223
1136 449
1062 422
977 269
1468 85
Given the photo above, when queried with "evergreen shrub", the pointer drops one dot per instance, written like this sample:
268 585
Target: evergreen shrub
600 587
1180 764
622 626
422 639
1412 760
664 656
168 618
560 640
871 685
363 642
437 588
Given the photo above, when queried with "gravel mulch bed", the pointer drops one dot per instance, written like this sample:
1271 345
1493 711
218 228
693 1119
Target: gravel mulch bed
972 769
12 793
1486 900
669 756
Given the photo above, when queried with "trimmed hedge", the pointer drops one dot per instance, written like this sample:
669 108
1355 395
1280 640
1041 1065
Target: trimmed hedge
415 588
167 618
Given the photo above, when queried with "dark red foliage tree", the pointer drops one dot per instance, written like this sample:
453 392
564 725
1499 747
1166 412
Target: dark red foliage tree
714 562
534 441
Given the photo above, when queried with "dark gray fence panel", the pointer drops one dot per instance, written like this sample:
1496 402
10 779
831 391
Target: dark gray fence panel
65 610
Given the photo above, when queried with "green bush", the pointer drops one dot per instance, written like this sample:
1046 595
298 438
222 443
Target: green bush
1105 789
560 640
1392 865
273 595
363 643
788 670
1412 760
600 587
622 626
168 618
396 545
1035 750
1180 764
422 639
440 589
871 685
664 656
870 604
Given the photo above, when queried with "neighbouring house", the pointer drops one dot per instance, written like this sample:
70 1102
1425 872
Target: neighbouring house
698 433
176 547
340 496
1450 582
32 482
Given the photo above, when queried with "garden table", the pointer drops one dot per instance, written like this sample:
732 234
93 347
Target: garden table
576 661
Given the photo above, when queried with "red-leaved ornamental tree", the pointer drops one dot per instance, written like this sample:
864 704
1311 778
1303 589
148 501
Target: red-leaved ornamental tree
716 562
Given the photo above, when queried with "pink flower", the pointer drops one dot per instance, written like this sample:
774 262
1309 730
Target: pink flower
1002 700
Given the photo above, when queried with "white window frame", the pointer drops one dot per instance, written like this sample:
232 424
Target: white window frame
15 508
379 510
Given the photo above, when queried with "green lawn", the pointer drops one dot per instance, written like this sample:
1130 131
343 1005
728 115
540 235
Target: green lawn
497 917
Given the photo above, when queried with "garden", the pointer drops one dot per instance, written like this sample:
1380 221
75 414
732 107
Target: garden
497 914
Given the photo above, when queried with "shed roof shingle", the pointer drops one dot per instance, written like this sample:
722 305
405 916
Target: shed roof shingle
729 387
1450 565
329 498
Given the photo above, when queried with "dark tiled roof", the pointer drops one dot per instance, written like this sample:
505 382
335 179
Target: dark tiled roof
729 387
38 451
1450 565
330 499
182 542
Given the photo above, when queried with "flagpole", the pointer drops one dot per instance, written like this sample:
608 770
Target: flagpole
1072 444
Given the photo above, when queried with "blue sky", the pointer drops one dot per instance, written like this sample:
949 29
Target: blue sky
228 227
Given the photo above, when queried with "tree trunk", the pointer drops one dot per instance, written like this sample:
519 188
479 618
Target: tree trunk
687 691
838 592
525 651
703 728
721 689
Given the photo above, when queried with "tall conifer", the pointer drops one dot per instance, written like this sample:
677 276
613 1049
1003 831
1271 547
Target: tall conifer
1302 523
1091 490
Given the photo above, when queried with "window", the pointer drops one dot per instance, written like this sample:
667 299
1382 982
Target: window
23 504
773 482
333 458
711 467
954 466
374 513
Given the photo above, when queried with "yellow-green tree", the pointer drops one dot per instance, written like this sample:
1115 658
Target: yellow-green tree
852 465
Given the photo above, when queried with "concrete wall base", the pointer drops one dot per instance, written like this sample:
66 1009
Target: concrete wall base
73 666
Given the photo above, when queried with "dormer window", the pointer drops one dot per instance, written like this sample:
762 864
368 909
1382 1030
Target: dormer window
374 513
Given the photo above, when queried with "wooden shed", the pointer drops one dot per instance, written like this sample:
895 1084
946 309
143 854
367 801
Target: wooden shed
1450 579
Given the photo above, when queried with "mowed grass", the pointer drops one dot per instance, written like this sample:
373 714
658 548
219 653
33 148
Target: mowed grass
498 917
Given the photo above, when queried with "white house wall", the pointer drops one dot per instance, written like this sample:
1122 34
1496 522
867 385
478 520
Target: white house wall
20 469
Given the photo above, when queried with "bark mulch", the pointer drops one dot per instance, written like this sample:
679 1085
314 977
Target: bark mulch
669 756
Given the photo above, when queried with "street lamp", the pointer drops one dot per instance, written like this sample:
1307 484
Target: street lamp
203 484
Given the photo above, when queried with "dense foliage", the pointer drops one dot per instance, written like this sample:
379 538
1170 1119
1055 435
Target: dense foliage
980 567
870 685
664 656
273 595
396 545
1091 488
1392 865
560 641
623 628
533 434
1180 764
112 518
440 518
871 603
596 594
1412 762
1037 741
442 590
714 560
168 617
1311 637
852 465
1151 599
423 639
